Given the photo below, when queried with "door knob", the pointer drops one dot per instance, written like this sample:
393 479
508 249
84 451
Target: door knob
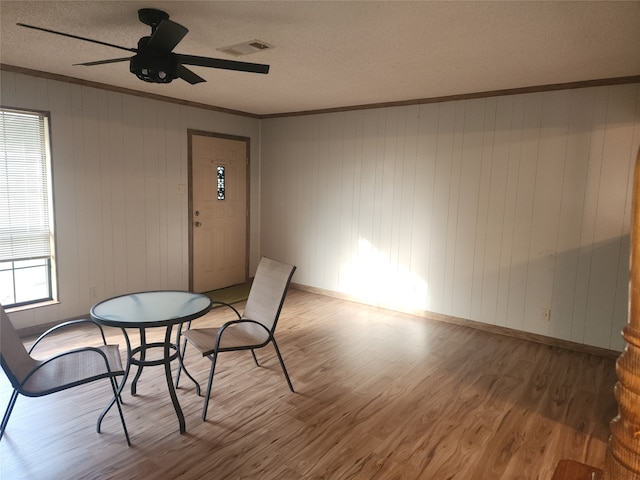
198 224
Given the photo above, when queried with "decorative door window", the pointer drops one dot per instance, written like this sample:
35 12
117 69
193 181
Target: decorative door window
221 185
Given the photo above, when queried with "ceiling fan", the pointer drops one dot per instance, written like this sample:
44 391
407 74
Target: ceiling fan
154 60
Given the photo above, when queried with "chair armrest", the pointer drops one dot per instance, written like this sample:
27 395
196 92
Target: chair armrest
213 302
235 322
68 324
227 305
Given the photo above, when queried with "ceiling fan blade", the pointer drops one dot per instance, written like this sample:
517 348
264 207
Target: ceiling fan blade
188 76
78 37
166 36
221 63
102 62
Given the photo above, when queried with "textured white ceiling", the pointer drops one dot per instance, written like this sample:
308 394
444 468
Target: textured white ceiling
341 53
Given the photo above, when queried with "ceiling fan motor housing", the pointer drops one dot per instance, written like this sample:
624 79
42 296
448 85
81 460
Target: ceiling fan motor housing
154 69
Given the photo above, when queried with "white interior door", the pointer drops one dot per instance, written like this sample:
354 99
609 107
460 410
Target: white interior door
218 210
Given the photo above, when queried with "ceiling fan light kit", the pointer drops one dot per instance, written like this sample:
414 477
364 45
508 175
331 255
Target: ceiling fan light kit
154 69
154 60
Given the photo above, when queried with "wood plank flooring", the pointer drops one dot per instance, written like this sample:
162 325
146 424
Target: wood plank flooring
379 395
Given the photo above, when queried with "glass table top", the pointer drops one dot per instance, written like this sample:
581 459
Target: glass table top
151 309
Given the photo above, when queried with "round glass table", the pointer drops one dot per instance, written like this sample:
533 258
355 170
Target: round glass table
142 310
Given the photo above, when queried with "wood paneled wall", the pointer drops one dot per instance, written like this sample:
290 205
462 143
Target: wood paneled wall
119 169
489 209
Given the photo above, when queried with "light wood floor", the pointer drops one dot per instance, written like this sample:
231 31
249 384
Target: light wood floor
379 395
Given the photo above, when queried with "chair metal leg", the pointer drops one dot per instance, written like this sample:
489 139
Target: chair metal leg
7 413
122 382
116 399
255 359
124 426
284 370
211 372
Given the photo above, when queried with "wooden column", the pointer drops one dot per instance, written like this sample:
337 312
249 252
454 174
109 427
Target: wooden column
622 461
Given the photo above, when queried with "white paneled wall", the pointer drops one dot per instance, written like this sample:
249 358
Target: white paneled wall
489 209
121 222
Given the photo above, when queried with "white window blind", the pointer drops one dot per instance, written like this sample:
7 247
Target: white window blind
25 230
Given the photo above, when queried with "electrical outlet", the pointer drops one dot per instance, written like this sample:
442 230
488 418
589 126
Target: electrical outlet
546 314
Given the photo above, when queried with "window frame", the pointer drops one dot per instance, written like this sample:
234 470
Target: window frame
51 260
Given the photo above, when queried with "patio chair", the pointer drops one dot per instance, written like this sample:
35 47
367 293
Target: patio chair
253 329
38 377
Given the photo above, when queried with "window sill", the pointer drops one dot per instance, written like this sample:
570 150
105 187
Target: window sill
32 305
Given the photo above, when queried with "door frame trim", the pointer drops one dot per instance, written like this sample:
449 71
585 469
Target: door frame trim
247 141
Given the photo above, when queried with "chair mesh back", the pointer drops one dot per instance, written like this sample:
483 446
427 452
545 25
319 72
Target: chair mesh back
16 361
268 291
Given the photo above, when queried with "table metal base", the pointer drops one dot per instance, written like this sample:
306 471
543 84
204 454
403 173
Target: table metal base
170 353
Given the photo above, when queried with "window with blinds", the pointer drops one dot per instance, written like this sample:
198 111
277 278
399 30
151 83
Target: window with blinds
26 220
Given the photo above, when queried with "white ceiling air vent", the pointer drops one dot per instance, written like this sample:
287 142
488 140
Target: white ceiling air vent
245 48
